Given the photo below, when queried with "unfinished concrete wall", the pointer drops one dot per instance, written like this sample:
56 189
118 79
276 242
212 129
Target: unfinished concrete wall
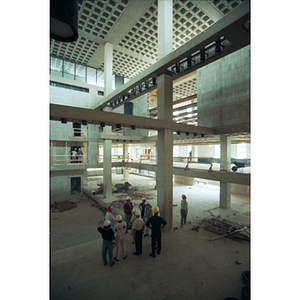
139 109
64 96
223 89
60 183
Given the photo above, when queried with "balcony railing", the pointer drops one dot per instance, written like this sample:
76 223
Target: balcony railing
62 160
114 158
80 132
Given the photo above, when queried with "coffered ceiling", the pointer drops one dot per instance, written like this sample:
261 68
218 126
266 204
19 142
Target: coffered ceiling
131 26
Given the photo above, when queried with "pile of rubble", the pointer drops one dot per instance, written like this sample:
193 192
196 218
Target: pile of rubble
115 188
140 195
224 228
62 206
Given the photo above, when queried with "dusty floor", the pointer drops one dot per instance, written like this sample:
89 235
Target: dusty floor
189 267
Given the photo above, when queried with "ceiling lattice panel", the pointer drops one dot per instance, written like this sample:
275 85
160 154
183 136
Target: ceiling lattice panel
99 17
128 65
96 19
188 21
225 6
185 89
80 51
142 38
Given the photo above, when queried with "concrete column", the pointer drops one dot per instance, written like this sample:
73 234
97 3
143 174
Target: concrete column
165 28
107 178
225 161
108 63
84 177
125 157
194 151
225 194
164 175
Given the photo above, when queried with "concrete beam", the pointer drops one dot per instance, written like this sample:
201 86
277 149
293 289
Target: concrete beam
226 177
77 114
231 26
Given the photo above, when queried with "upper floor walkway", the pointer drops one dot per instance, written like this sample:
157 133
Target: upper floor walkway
200 167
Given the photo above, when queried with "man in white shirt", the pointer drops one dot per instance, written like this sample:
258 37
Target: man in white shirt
148 213
138 231
183 210
120 230
74 155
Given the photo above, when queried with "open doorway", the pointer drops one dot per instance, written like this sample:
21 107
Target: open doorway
75 185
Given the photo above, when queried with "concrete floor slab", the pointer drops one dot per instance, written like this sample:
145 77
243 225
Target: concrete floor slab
189 267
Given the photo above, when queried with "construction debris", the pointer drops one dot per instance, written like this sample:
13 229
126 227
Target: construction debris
141 195
224 228
100 189
62 206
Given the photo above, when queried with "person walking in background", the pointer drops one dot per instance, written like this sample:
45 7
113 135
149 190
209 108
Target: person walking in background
138 230
148 214
108 237
156 223
128 207
183 210
120 230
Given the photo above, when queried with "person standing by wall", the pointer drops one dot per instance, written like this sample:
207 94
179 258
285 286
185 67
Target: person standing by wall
138 230
108 237
128 207
156 223
183 210
120 230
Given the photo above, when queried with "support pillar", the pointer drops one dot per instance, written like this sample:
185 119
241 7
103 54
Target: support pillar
84 177
108 64
165 27
164 175
107 177
125 157
225 162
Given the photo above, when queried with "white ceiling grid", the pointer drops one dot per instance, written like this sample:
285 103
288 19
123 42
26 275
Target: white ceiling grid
185 89
97 18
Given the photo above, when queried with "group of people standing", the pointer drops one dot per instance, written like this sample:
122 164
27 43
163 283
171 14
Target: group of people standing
139 221
76 155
